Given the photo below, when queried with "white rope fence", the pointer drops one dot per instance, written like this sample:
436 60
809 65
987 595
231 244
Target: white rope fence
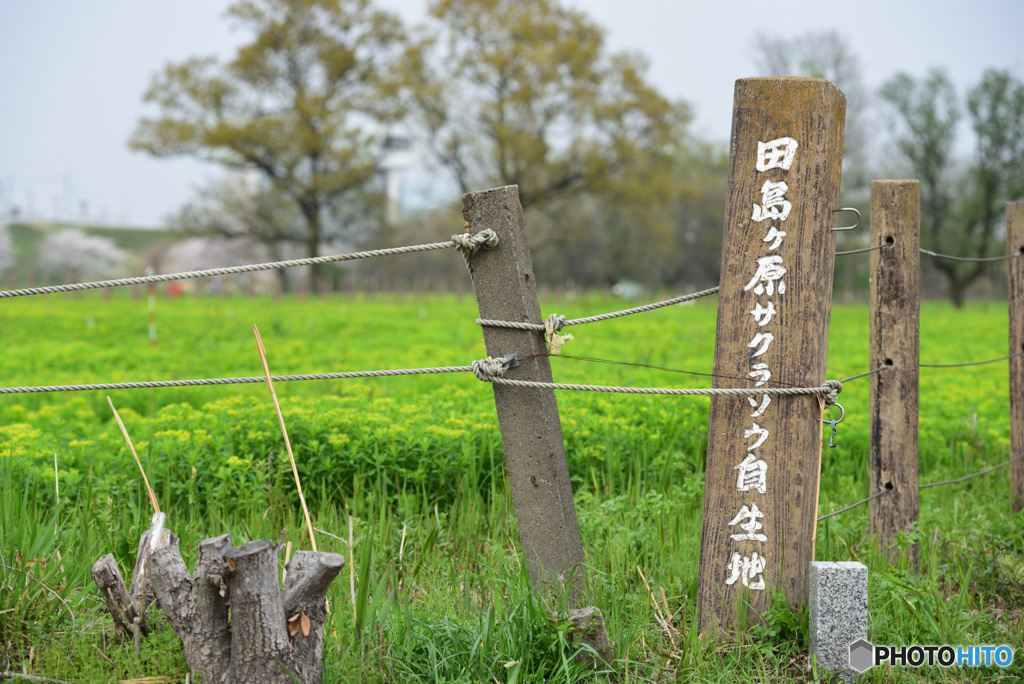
556 322
493 370
466 243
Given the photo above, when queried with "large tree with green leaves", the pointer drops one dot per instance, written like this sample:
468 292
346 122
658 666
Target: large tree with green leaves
526 92
295 103
962 204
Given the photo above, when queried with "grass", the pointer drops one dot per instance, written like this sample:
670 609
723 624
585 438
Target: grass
441 595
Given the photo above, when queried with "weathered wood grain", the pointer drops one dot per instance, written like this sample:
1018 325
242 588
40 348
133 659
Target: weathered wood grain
811 112
894 304
1015 244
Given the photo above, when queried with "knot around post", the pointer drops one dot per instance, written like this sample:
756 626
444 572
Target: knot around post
471 244
554 323
834 387
487 369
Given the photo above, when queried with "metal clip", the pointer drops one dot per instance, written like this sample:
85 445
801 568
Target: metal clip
854 210
511 360
833 423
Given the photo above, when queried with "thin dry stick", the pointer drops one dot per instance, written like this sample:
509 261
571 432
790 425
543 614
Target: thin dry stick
131 447
284 431
658 616
351 569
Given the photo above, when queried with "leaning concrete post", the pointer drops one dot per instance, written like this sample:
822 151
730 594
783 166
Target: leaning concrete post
531 431
1015 245
895 315
764 454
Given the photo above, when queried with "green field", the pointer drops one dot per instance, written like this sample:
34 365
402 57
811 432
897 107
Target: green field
418 464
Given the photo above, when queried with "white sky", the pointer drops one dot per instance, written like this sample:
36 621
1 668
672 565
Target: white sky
72 75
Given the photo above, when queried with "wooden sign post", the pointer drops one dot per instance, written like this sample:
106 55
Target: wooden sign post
764 453
895 316
531 432
1015 245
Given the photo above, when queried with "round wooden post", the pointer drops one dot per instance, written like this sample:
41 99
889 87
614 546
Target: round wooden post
1015 245
894 310
764 455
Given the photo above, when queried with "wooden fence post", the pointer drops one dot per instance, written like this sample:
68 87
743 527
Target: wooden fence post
531 431
1015 245
764 454
895 316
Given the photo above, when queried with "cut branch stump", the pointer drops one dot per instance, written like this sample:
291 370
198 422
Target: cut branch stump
237 625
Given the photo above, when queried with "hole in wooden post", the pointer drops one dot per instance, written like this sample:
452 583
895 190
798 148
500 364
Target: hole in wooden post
888 362
889 239
888 485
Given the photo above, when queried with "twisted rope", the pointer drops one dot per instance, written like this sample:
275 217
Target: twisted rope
466 243
493 370
233 381
555 322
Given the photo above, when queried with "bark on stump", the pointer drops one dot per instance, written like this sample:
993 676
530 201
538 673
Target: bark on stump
273 630
126 604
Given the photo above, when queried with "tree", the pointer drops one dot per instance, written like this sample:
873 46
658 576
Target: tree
294 104
265 220
74 254
525 92
7 257
962 206
827 55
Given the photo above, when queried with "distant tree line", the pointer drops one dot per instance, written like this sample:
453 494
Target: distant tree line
527 91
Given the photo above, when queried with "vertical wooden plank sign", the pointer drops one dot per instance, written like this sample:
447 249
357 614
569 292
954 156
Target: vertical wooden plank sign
895 321
531 432
764 453
1015 245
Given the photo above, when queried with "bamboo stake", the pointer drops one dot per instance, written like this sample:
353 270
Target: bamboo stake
131 447
284 431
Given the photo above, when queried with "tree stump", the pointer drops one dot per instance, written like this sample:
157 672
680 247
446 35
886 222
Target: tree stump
127 605
237 625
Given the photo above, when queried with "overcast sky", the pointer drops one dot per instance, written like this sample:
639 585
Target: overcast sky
72 75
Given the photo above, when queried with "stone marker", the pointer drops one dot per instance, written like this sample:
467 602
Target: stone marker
838 597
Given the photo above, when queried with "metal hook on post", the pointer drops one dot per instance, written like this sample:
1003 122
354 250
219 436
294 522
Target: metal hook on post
834 423
854 210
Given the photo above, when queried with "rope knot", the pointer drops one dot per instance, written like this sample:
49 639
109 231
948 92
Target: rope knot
471 244
554 323
487 369
834 388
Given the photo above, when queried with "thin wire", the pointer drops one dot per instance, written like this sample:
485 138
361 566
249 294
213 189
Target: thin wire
644 365
968 477
858 251
957 258
924 486
861 375
466 243
233 381
970 363
852 506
